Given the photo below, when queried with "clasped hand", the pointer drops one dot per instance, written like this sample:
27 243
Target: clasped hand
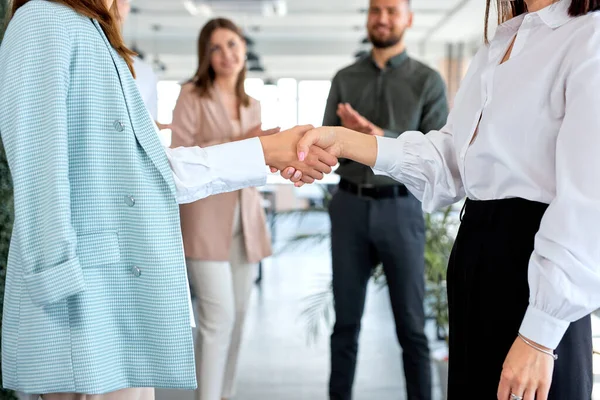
281 154
304 154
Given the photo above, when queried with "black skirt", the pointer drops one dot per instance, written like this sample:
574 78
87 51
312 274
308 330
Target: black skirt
488 294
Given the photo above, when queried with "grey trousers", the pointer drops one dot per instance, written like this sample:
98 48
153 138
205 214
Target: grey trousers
365 232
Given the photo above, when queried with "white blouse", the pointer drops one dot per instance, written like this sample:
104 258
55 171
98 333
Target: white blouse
538 139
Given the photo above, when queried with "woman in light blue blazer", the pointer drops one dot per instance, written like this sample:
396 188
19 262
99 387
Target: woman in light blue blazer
96 289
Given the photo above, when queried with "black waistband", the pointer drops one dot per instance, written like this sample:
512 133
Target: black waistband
373 192
506 210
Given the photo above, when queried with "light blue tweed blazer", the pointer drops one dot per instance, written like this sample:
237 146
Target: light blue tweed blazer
96 295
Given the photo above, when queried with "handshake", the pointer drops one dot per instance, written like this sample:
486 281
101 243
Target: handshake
304 154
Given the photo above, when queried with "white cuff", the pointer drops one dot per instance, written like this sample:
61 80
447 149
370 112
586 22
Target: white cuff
388 151
543 328
201 172
237 165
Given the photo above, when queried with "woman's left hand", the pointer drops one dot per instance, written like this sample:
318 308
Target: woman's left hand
526 373
280 154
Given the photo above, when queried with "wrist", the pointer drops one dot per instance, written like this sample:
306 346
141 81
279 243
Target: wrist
532 342
357 146
266 143
538 348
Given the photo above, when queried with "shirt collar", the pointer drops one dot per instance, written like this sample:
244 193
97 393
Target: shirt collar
395 61
554 16
511 26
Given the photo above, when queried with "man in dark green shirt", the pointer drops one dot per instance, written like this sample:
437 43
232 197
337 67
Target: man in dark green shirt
374 218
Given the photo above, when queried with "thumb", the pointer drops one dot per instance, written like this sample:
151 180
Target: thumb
310 138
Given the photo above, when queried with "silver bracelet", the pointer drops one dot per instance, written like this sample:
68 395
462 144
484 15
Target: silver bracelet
551 354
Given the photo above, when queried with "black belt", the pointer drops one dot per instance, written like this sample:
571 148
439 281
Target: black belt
374 192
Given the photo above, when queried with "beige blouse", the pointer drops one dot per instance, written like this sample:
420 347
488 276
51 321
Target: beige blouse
207 224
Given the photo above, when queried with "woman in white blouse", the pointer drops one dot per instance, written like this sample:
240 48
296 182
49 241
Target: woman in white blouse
523 145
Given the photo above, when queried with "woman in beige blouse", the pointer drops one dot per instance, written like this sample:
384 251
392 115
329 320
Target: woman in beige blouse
224 236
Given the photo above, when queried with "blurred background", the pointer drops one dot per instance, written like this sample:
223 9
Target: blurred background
295 46
294 49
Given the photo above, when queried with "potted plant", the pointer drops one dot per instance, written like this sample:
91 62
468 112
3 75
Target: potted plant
441 231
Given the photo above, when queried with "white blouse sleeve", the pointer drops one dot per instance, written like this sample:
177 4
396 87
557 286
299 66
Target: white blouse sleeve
426 164
564 270
202 172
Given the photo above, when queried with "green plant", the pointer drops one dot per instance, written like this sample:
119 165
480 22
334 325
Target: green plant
3 16
440 232
6 211
439 239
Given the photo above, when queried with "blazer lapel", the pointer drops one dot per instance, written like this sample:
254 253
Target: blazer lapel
143 127
215 94
246 120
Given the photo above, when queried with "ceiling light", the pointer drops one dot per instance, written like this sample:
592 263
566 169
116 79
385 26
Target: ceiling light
274 8
190 5
195 7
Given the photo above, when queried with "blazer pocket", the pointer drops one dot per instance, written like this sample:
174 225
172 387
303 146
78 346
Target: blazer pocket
98 249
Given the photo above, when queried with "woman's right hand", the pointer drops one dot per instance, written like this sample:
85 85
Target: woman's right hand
280 154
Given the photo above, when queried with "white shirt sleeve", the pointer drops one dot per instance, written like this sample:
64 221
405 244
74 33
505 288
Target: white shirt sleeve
202 172
426 164
564 270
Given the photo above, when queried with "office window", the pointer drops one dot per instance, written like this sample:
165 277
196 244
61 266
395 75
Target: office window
167 93
312 99
254 87
278 101
285 103
288 102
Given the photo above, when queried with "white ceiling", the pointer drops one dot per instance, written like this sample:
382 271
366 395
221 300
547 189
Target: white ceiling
312 41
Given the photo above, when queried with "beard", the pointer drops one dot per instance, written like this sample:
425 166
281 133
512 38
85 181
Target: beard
389 41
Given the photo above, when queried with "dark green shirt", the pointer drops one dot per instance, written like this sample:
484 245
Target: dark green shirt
404 96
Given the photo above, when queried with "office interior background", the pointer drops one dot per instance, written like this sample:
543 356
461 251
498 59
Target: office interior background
294 49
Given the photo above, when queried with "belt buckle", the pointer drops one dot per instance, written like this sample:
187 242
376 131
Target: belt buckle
365 186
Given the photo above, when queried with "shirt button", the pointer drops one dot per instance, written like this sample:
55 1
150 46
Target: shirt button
136 271
130 201
119 126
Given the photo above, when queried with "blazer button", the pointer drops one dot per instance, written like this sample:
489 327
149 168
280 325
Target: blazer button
130 201
136 271
119 126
